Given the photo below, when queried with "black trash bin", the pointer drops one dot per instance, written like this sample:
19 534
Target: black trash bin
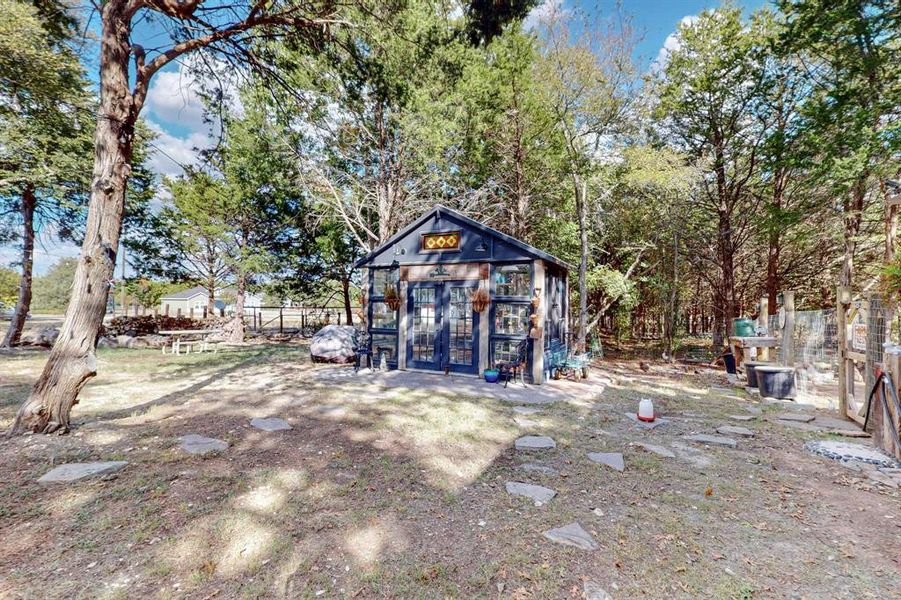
751 370
729 361
776 382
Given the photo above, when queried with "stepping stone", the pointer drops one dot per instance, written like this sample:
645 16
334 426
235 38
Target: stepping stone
197 444
754 410
734 430
594 591
76 471
536 493
572 535
796 418
526 423
659 450
614 460
741 417
526 410
534 442
713 440
270 424
849 451
645 424
533 468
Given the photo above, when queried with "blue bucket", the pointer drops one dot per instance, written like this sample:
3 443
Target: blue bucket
492 375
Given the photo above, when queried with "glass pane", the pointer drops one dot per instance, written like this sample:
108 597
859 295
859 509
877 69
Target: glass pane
424 315
385 343
511 318
382 278
505 350
383 317
513 280
460 322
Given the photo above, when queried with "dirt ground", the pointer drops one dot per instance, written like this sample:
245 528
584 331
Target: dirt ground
400 493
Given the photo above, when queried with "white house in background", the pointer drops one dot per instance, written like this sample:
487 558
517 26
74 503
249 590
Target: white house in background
195 299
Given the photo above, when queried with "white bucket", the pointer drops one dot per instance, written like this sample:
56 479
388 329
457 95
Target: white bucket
646 410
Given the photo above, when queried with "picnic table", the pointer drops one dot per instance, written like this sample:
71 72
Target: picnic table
191 339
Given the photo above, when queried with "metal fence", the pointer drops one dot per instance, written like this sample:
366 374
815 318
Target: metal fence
296 319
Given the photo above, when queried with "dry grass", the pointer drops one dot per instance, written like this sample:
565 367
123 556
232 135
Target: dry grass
388 494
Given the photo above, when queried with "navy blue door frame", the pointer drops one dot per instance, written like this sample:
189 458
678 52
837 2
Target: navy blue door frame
432 309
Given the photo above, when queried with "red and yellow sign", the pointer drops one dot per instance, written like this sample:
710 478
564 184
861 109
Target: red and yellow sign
447 240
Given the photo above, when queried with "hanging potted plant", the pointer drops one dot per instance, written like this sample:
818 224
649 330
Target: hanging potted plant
392 297
480 300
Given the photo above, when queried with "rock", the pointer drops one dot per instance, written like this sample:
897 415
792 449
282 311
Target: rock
106 342
614 460
44 337
155 341
533 468
571 535
734 430
744 418
534 442
140 342
713 440
849 451
536 493
76 471
795 417
754 410
125 341
593 591
659 450
197 444
334 343
270 424
526 410
526 423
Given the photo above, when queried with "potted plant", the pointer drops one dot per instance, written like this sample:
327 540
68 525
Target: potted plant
479 299
392 297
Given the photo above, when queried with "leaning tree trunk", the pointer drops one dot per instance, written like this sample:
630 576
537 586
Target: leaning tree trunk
23 304
237 328
72 360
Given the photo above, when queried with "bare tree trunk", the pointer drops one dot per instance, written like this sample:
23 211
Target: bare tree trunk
853 214
582 210
23 304
237 329
72 360
345 291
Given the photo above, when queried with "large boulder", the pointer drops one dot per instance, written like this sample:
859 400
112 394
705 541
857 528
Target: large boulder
334 343
44 337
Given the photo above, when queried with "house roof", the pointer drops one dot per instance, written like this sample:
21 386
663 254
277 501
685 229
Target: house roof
472 223
186 294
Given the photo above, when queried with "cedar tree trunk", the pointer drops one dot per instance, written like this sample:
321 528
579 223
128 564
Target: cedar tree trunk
237 329
23 304
72 360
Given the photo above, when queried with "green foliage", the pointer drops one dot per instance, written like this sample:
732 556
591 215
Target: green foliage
147 292
9 287
51 291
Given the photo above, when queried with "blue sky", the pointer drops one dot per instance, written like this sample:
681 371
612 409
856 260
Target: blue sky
175 112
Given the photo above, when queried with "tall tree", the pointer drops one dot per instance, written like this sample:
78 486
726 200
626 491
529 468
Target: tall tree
192 225
585 72
45 141
125 75
708 93
852 55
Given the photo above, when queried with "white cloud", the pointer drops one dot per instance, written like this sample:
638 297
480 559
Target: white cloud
170 153
544 11
45 255
671 43
173 99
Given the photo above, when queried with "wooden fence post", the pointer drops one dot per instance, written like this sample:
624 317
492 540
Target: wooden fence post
191 313
763 321
178 313
281 320
788 328
842 301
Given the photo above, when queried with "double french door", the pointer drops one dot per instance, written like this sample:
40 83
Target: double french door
442 328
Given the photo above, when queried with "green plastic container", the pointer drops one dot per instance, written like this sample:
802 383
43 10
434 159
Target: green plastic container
742 327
